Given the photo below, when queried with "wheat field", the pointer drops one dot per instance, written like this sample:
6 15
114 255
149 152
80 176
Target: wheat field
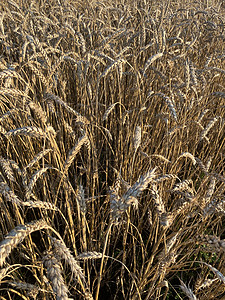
112 149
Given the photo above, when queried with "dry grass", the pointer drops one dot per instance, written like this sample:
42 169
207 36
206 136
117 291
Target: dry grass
112 149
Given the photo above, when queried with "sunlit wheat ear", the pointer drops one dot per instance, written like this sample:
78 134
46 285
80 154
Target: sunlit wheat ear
209 59
89 90
55 98
37 158
39 204
27 131
109 110
201 165
2 130
218 274
120 182
159 205
63 253
115 64
109 135
128 199
50 106
68 128
182 186
205 284
8 114
207 128
17 235
88 295
210 190
15 166
166 219
37 109
89 255
208 163
188 155
170 105
8 73
203 113
99 58
182 96
151 60
81 120
215 206
6 166
54 273
185 206
141 184
165 263
169 245
33 180
50 132
187 291
39 74
193 74
137 138
81 199
6 191
74 151
32 289
213 243
39 46
164 178
161 157
116 208
82 42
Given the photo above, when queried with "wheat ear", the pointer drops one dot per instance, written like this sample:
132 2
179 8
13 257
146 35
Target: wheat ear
54 270
17 235
27 131
73 152
187 291
62 252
